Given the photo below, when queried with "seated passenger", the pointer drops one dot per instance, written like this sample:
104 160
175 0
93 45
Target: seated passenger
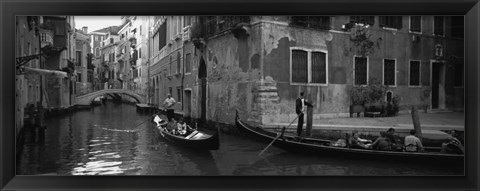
382 143
396 144
355 142
413 143
181 127
453 146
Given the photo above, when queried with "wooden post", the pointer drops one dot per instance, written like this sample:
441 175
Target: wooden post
416 121
309 121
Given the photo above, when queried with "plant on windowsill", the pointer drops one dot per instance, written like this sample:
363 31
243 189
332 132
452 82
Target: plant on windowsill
197 36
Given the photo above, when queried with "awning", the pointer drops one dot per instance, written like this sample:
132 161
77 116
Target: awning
45 72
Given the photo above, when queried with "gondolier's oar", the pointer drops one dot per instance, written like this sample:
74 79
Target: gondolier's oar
279 135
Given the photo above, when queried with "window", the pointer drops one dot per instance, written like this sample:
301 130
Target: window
415 23
162 32
111 40
179 24
299 66
140 72
457 26
389 72
458 75
316 22
170 90
308 67
95 38
79 77
414 73
179 94
140 29
178 63
78 58
187 21
170 66
366 20
139 53
394 22
43 37
361 70
438 25
319 68
188 65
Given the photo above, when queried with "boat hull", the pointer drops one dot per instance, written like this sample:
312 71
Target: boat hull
323 147
200 140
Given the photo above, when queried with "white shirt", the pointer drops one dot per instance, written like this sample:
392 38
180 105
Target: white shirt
303 106
170 102
412 140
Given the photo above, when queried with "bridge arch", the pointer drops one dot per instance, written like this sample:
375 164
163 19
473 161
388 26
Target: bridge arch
87 99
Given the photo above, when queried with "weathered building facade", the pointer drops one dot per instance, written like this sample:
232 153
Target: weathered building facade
83 63
259 64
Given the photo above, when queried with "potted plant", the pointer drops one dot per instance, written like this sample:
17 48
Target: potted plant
196 35
357 96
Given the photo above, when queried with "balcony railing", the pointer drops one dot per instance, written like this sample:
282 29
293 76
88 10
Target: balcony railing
212 25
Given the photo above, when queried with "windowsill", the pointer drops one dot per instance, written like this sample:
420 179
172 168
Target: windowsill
187 74
388 28
439 35
390 86
410 86
306 84
458 87
415 32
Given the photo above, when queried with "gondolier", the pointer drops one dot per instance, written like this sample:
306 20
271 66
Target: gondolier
301 107
168 105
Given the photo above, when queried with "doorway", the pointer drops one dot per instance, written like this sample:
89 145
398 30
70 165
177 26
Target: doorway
438 85
202 75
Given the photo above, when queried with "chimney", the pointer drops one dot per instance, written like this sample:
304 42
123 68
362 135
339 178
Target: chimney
85 30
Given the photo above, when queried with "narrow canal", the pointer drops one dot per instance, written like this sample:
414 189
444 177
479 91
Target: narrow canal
114 139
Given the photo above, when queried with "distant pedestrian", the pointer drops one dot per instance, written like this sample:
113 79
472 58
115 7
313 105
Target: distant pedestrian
413 143
300 108
168 105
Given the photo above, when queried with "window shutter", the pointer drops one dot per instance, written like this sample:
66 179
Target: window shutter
319 67
299 66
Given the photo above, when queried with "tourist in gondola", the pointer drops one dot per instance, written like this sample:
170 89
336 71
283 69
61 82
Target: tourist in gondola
413 143
382 143
396 143
181 127
168 105
356 142
300 108
453 145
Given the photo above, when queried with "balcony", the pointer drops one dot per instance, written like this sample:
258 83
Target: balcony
212 25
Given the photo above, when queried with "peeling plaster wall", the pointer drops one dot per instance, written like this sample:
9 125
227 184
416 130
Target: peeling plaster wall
252 73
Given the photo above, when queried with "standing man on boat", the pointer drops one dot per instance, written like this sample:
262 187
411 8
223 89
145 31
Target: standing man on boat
301 107
168 105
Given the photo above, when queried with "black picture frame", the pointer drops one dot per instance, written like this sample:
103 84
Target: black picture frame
9 9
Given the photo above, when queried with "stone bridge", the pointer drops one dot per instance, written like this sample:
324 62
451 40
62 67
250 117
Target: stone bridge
88 98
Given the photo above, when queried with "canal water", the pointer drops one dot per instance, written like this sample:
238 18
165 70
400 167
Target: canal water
114 139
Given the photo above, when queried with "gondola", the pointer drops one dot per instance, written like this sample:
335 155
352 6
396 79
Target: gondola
326 147
199 140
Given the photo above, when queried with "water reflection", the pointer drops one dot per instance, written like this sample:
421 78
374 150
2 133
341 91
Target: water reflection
116 140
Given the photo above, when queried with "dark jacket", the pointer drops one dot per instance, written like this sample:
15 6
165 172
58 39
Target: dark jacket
298 105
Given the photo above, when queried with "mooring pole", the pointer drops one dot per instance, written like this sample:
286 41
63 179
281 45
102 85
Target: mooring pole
416 122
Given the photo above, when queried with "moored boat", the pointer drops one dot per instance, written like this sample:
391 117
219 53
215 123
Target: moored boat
197 139
326 147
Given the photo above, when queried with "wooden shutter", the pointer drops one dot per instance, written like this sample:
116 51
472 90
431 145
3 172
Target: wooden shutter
299 66
319 67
